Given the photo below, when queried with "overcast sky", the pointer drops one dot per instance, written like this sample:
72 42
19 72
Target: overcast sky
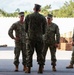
12 5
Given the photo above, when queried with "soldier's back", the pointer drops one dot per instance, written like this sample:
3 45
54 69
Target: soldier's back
35 25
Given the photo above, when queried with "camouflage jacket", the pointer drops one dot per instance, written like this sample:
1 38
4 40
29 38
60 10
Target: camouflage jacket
52 34
35 24
19 31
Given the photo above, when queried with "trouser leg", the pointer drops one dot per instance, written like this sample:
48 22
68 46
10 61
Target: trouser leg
17 54
40 58
72 58
53 55
30 51
72 61
39 48
24 54
44 51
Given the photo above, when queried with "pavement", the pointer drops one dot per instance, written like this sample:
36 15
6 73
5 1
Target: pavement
7 67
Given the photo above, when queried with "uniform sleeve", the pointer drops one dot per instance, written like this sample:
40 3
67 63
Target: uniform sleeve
44 23
10 31
26 23
57 35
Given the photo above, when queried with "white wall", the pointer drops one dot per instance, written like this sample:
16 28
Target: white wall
65 25
5 24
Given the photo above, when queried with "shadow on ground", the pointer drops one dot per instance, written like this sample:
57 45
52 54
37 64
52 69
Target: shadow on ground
7 68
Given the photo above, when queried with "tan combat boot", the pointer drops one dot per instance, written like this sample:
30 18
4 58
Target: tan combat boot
16 68
40 70
28 70
24 68
53 68
70 66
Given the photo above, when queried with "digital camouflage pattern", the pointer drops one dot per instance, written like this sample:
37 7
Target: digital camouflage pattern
52 31
35 27
72 58
20 45
51 37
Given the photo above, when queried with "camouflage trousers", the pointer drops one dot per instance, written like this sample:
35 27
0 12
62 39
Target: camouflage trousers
72 58
31 46
52 51
20 47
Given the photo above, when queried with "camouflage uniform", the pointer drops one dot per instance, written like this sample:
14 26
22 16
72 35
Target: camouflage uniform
72 58
50 41
35 27
21 44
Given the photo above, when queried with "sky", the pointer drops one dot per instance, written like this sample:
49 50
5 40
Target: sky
11 5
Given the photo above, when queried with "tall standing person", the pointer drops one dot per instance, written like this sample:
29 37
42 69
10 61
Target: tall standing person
72 58
35 27
20 40
51 40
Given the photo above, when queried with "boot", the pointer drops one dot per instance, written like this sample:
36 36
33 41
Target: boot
28 70
24 68
16 68
40 70
53 68
70 66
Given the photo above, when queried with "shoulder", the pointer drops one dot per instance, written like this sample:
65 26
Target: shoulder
32 15
28 16
15 24
54 24
42 17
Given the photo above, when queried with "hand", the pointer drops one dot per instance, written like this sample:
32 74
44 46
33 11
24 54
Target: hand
56 45
16 39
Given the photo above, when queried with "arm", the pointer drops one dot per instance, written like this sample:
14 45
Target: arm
26 23
57 35
10 31
44 23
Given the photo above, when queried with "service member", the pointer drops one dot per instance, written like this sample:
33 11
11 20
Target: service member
72 58
35 27
51 40
20 40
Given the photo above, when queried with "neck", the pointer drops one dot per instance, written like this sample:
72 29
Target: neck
49 23
21 21
36 11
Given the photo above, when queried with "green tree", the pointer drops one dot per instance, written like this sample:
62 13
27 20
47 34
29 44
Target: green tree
46 10
17 10
67 10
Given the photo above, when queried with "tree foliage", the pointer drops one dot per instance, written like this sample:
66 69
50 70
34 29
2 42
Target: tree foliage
46 10
67 10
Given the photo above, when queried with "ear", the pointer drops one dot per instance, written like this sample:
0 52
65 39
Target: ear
52 18
39 10
34 9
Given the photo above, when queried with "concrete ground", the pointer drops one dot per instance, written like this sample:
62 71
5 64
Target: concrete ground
7 67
